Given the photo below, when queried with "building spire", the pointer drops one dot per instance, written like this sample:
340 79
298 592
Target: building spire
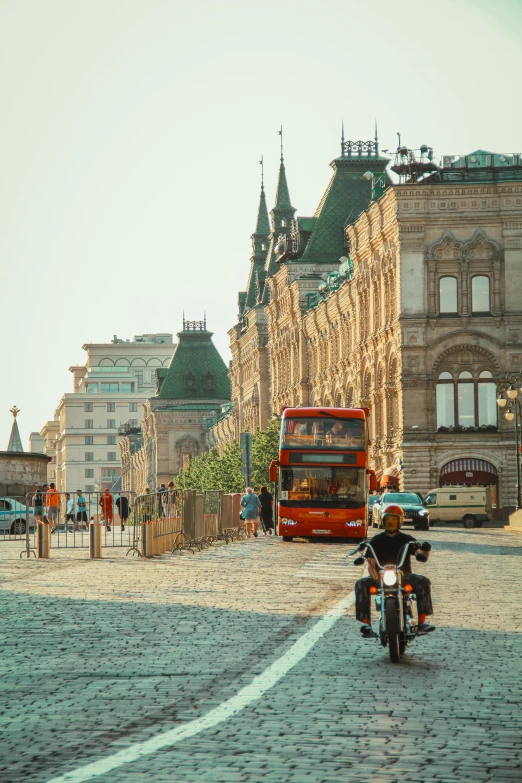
376 139
15 441
342 138
261 163
282 201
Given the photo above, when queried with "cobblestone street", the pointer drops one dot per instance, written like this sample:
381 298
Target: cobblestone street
101 655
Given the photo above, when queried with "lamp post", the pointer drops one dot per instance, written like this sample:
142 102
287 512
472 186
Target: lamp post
513 410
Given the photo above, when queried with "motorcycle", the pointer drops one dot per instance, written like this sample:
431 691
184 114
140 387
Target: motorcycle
394 602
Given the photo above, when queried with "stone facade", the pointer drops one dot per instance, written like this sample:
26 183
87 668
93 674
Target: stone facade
381 335
21 471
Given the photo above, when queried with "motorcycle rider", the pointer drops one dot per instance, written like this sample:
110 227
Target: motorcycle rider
387 546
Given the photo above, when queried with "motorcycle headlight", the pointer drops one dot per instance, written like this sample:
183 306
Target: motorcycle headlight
288 521
389 578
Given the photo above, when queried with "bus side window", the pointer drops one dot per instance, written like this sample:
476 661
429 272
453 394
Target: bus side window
452 497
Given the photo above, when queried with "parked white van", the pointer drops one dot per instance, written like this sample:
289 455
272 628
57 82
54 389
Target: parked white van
469 505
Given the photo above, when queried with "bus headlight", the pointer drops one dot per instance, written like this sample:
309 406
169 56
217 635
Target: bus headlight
389 578
284 521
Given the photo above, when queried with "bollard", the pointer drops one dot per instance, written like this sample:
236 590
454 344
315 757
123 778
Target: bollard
95 540
44 539
148 539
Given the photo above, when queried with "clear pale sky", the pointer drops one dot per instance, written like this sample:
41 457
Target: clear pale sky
131 134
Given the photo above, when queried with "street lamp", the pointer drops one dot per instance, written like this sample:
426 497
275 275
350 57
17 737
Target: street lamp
514 411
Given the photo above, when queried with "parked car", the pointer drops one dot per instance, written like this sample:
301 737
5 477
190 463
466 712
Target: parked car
469 505
414 511
372 500
13 516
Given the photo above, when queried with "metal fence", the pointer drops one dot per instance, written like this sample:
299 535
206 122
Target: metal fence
15 519
69 516
148 524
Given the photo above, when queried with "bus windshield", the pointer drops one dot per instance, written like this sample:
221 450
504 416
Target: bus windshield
345 487
323 433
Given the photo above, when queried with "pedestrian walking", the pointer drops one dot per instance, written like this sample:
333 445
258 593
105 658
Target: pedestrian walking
106 506
81 510
162 501
69 509
171 500
52 506
250 505
266 513
122 502
147 505
39 503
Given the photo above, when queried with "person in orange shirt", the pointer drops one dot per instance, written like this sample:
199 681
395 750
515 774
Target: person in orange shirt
52 505
107 508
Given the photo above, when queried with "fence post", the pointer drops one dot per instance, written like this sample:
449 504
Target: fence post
189 513
199 523
220 512
148 539
44 540
95 540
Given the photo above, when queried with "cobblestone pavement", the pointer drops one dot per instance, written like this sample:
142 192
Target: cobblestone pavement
97 655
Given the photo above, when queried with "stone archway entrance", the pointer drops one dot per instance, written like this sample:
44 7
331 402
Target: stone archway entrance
471 472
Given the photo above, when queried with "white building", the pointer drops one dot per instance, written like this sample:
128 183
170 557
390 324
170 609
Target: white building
108 391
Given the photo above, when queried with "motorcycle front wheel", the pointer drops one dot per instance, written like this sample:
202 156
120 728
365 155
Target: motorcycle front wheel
392 627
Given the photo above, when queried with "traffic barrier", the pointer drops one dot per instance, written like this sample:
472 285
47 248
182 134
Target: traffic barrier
70 513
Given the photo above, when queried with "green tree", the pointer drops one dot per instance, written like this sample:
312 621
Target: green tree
212 471
265 448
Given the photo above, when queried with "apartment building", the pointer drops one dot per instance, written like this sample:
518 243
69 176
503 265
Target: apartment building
108 392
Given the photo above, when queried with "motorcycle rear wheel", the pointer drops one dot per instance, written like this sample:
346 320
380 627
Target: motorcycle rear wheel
392 627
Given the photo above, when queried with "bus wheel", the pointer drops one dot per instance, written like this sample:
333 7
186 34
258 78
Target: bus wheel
469 521
287 538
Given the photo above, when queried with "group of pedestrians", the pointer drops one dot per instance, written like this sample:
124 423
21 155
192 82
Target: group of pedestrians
258 508
47 504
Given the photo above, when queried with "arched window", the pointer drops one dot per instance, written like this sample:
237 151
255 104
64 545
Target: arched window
487 400
445 401
480 294
467 402
209 382
189 382
448 295
283 224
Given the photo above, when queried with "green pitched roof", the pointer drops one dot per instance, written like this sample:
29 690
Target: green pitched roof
282 201
197 370
257 259
263 223
347 195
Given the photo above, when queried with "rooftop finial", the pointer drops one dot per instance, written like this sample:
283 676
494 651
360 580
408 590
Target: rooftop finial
15 411
376 138
342 137
280 132
262 173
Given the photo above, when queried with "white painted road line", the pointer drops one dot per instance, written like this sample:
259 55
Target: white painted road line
250 693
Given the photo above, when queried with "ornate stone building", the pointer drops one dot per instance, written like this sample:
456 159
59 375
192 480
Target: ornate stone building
267 359
190 394
409 304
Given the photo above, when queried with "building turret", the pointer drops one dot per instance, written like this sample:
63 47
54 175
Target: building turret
260 242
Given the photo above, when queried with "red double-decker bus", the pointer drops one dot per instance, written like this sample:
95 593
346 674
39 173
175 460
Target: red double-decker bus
322 475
